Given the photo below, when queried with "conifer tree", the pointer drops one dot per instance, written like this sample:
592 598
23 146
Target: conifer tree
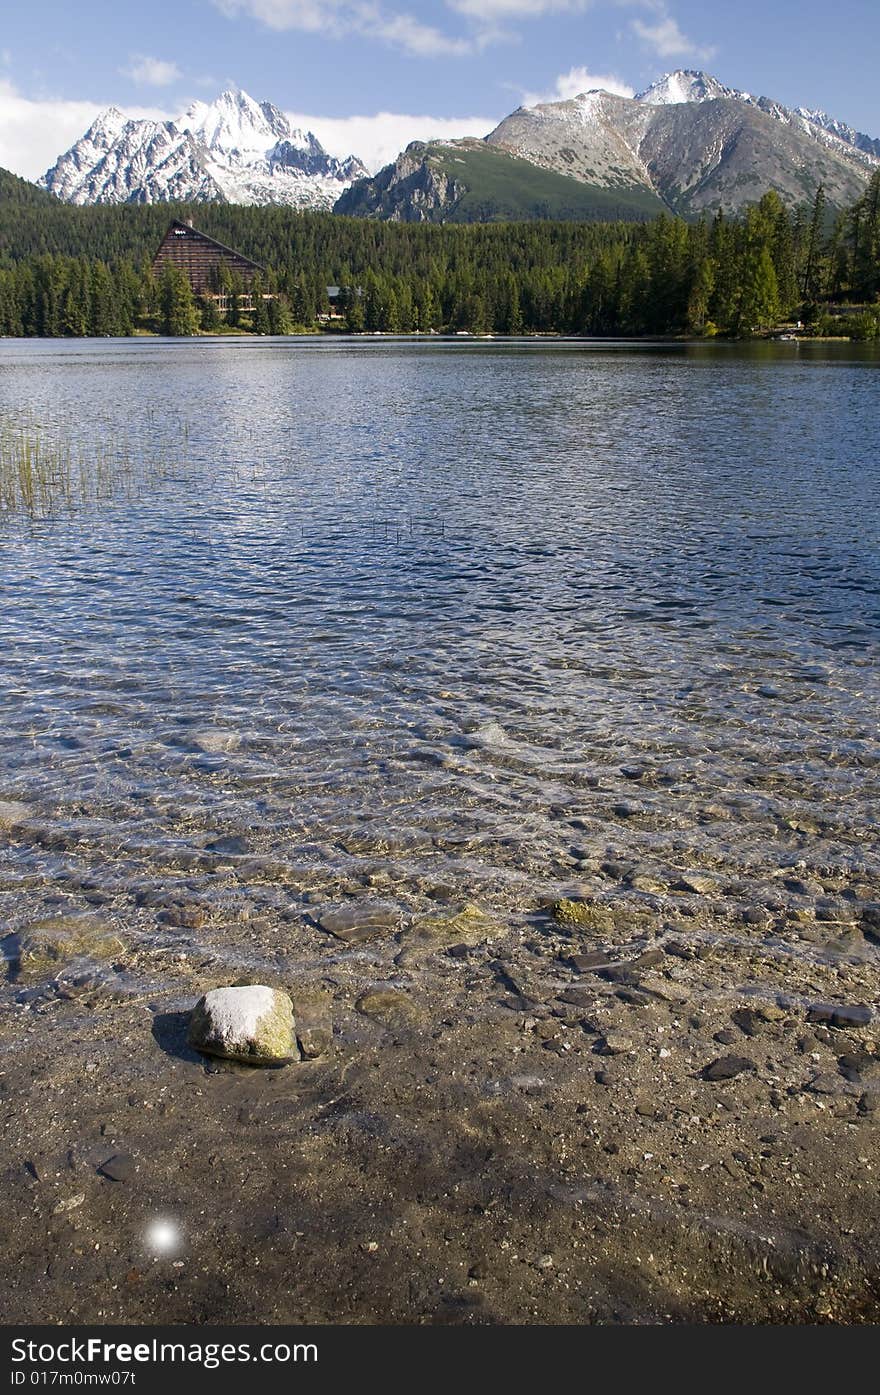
177 308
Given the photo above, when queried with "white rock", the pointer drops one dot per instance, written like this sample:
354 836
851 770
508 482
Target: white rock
252 1024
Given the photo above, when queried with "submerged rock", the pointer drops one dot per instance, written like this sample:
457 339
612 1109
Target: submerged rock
388 1006
589 963
47 947
313 1009
120 1168
12 813
582 915
470 926
253 1024
841 1014
696 883
230 845
359 921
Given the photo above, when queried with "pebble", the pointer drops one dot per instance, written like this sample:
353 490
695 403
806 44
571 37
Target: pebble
619 973
855 1065
577 997
69 1204
230 845
755 915
695 883
649 959
726 1037
587 963
823 1083
841 1014
582 915
632 997
748 1021
728 1067
387 1005
642 882
184 917
120 1168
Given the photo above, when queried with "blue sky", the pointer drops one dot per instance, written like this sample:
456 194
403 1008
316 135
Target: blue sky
368 75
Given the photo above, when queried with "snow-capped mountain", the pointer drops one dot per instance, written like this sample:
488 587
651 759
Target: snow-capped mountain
699 145
841 130
233 150
690 85
687 144
686 85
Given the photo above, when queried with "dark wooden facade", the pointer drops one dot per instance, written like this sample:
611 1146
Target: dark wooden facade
201 257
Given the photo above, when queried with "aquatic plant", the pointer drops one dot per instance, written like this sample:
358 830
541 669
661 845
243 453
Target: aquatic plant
44 471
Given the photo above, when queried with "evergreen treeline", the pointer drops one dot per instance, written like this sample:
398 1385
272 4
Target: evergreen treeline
86 271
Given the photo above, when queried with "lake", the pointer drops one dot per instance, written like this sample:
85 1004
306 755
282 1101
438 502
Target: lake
421 594
443 623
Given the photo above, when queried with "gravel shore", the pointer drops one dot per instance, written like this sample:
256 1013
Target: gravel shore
582 1113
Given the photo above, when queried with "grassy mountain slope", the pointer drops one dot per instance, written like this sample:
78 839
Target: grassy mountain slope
503 188
468 181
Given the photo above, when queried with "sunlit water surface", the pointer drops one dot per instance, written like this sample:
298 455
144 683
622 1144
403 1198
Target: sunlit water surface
415 606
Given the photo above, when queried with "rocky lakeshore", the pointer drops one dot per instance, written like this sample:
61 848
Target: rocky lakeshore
636 1101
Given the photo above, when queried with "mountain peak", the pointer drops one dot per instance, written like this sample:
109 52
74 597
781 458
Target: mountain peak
235 122
685 85
106 126
233 150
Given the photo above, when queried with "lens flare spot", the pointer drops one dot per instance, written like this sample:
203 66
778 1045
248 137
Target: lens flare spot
164 1236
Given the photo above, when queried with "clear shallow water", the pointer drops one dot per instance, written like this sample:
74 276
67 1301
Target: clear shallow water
409 609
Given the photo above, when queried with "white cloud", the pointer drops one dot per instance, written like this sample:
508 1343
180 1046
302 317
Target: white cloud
488 11
336 18
578 80
33 134
403 31
667 40
152 72
377 140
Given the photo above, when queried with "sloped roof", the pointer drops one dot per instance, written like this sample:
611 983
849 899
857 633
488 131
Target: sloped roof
193 233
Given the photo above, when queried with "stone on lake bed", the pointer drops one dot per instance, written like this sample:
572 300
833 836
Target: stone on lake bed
253 1024
841 1014
615 1044
387 1005
697 883
313 1010
728 1068
468 926
577 997
46 947
120 1168
12 813
582 915
215 741
229 845
359 921
642 881
589 963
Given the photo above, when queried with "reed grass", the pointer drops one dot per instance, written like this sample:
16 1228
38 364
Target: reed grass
43 472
